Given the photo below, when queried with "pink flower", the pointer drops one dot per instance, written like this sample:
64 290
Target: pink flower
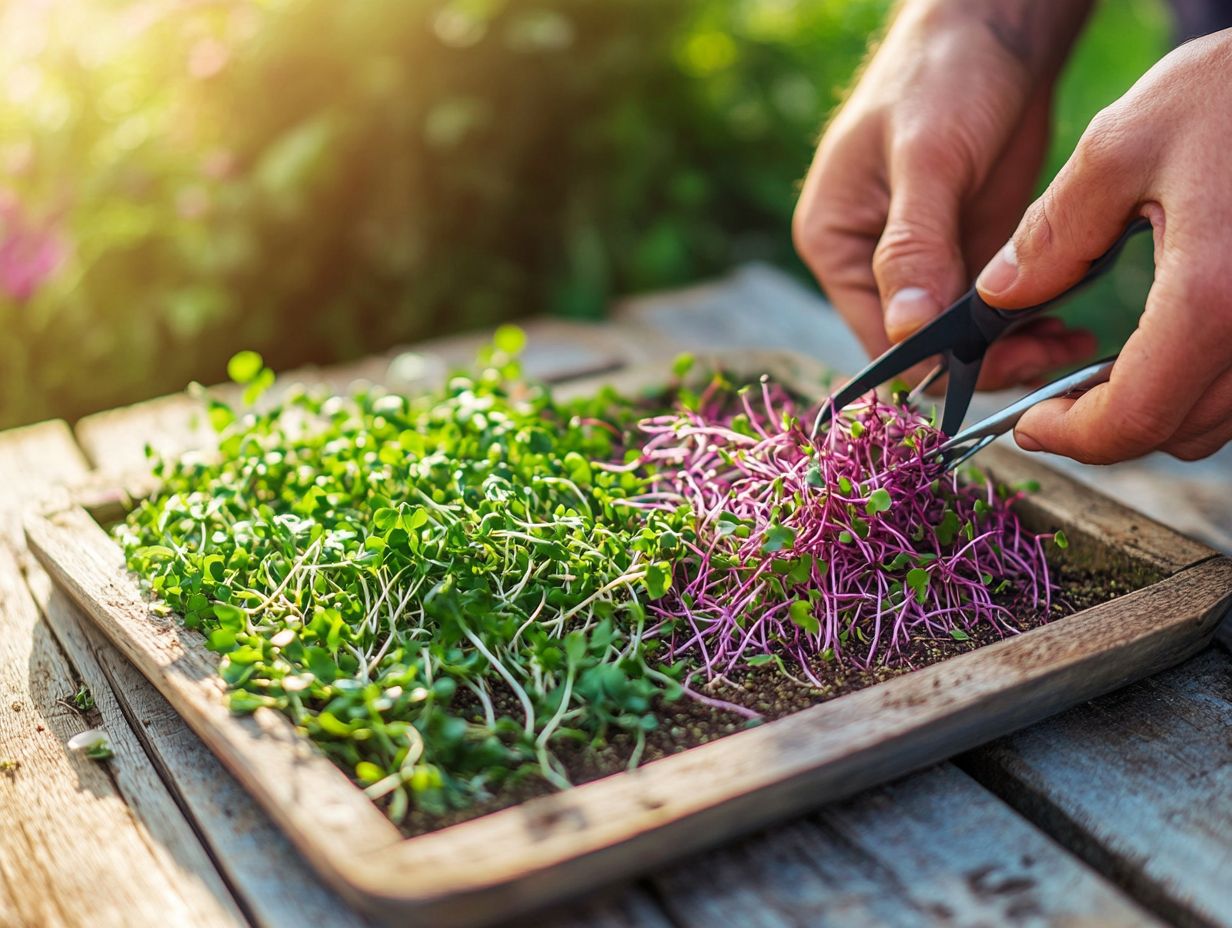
30 252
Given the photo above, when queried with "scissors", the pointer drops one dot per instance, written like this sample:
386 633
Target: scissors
961 336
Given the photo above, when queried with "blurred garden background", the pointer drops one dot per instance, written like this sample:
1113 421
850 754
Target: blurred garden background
318 179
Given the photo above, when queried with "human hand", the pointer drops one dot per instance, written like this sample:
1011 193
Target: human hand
928 166
1164 150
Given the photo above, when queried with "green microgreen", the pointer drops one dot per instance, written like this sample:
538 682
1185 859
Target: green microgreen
445 592
436 590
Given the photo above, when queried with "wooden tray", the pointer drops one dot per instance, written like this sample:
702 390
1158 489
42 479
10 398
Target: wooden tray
553 847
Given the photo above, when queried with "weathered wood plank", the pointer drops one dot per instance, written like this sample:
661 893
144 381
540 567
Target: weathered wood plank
1092 518
667 349
276 886
34 462
115 441
617 907
1194 497
556 349
328 818
1191 497
753 307
932 849
71 849
136 778
1138 782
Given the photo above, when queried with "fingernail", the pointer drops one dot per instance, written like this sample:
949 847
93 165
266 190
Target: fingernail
1001 271
1026 442
909 308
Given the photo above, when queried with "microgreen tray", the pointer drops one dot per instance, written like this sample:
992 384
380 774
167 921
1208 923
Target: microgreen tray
562 844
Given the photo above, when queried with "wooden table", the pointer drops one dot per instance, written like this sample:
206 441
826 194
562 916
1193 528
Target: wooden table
1117 812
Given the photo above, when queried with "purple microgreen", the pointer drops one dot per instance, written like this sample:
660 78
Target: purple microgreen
844 547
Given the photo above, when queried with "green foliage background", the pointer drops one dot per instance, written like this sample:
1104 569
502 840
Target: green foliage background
319 179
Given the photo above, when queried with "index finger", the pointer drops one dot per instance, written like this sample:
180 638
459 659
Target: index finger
839 219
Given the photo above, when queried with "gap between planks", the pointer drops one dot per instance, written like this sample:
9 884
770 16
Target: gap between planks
274 885
270 881
72 848
95 530
1139 784
932 848
84 827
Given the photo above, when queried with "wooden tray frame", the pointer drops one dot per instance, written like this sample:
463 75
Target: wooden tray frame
562 845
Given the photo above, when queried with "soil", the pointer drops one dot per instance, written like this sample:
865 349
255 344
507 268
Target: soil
687 723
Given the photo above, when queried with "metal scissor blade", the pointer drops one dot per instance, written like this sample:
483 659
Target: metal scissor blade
958 393
938 337
978 436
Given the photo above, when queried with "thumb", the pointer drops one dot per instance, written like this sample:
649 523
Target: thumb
918 262
1076 220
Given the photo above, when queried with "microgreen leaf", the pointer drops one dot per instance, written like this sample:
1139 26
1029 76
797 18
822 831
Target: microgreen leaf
682 364
777 538
917 581
658 580
509 340
801 614
243 367
480 573
878 501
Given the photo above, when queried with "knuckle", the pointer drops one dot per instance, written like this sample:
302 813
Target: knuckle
908 245
1103 148
810 232
1040 222
923 149
915 145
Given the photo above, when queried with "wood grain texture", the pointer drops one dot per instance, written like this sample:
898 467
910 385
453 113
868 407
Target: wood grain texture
150 834
806 374
783 891
35 462
1092 519
713 792
329 819
156 751
754 307
556 846
612 907
71 848
1194 497
933 849
1139 782
277 888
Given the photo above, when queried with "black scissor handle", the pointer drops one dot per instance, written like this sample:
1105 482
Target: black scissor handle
993 322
